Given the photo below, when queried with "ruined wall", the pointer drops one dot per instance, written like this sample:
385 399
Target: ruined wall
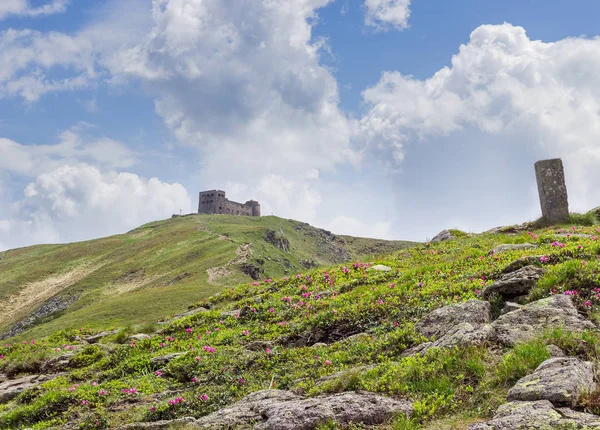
215 202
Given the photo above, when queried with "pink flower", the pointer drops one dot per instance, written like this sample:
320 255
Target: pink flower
94 384
544 259
420 284
153 408
588 303
209 349
158 373
268 350
245 333
162 344
188 330
271 310
198 358
380 302
102 392
194 380
198 336
327 363
204 397
84 403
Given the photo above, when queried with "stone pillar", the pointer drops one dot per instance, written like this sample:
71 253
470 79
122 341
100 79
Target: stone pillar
550 177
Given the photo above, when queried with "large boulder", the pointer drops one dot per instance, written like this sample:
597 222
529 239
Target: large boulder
442 320
531 320
95 338
284 410
13 387
514 284
538 415
560 380
442 236
461 335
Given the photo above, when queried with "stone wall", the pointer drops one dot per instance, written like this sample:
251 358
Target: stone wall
215 202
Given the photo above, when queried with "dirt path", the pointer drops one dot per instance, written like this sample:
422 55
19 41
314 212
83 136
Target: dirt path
216 274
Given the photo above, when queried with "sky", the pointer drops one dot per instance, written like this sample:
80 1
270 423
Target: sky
392 119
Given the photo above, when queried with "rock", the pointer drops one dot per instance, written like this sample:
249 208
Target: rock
509 307
442 236
529 321
555 351
560 380
160 425
522 262
512 247
164 359
192 312
319 345
139 337
380 268
550 176
283 410
258 300
57 364
239 312
461 335
95 338
537 415
442 320
514 284
13 387
259 345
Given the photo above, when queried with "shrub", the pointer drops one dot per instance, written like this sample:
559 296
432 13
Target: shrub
521 361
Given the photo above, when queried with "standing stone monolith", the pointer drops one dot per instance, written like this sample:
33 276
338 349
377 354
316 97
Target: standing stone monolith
550 177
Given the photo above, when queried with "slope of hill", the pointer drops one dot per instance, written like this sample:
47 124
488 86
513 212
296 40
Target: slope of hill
487 332
158 269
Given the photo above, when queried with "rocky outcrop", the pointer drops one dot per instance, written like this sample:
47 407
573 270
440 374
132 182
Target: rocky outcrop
512 247
461 335
49 308
522 262
538 415
514 284
442 236
442 320
13 387
284 410
95 338
560 380
529 321
278 239
278 409
380 268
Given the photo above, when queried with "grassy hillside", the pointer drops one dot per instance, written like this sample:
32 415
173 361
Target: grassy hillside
347 327
159 268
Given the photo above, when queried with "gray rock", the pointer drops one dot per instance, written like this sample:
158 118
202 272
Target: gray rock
514 284
538 415
550 176
532 319
13 387
555 351
442 320
283 410
239 312
509 307
380 268
160 425
559 380
164 359
442 236
139 337
259 345
319 345
512 247
95 338
522 262
461 335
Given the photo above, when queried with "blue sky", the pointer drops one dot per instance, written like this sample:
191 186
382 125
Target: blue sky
385 118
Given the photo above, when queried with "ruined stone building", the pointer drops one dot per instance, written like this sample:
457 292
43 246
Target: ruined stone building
215 202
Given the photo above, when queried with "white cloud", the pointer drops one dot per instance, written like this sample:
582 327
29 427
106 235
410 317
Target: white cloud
524 94
384 15
76 202
24 8
74 147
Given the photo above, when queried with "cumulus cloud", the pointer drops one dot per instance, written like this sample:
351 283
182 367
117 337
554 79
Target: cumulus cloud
73 147
383 15
534 99
75 202
24 8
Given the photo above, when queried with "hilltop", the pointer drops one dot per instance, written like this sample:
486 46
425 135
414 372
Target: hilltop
159 269
490 331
